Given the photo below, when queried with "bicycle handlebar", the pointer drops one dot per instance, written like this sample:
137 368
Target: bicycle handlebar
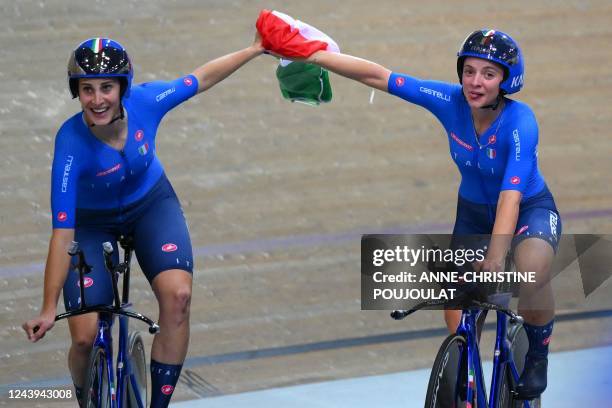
84 268
469 290
514 318
153 327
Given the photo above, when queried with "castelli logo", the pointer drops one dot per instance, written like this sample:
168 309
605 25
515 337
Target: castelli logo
169 248
546 341
188 81
87 282
515 180
399 81
492 139
167 389
62 216
139 135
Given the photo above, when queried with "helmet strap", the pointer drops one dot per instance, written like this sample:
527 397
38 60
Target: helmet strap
116 118
121 116
494 106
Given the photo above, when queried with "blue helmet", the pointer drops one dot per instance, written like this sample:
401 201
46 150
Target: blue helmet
100 58
498 47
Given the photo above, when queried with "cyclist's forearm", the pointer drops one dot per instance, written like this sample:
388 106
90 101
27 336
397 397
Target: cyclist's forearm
364 71
505 224
56 269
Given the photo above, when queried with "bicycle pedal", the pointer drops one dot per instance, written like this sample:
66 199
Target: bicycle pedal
518 397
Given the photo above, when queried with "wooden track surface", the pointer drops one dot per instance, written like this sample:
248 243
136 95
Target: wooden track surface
249 166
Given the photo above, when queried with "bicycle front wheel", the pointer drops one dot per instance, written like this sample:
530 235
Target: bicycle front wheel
97 389
137 380
447 382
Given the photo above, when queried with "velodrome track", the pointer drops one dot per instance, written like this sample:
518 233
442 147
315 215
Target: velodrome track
278 194
408 389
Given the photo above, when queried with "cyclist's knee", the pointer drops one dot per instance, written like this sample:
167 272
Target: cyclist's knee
82 342
176 302
83 330
534 254
182 299
452 318
173 291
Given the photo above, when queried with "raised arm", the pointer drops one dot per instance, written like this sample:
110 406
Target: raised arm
217 70
361 70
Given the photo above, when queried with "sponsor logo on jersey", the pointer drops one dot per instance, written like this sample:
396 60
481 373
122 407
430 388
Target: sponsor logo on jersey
553 224
62 216
517 145
399 81
165 93
67 168
522 229
169 247
109 171
546 341
435 93
87 282
515 180
143 149
461 142
139 135
491 153
167 389
492 139
188 81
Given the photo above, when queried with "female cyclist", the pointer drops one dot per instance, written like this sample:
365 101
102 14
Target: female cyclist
493 141
106 181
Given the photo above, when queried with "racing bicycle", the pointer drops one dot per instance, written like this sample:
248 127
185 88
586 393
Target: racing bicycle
457 378
130 370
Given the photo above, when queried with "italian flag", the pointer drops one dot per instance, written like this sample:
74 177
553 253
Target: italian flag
291 38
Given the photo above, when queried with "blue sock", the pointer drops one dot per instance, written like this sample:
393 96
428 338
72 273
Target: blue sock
539 338
163 380
78 393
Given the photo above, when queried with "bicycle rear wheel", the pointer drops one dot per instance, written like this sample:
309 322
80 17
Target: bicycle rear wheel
519 344
445 385
97 389
137 380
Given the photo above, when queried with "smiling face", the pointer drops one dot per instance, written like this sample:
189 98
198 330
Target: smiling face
100 99
481 79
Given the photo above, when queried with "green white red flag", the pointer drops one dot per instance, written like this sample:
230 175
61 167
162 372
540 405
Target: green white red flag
287 37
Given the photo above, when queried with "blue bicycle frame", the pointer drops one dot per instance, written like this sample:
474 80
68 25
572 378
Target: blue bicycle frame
502 356
106 319
104 340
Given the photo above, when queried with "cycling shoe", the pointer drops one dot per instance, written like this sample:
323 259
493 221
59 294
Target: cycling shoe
532 382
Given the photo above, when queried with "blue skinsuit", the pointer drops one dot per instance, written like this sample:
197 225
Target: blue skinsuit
503 158
104 193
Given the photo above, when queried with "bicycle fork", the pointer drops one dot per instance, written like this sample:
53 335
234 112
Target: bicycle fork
476 384
502 354
105 340
122 361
